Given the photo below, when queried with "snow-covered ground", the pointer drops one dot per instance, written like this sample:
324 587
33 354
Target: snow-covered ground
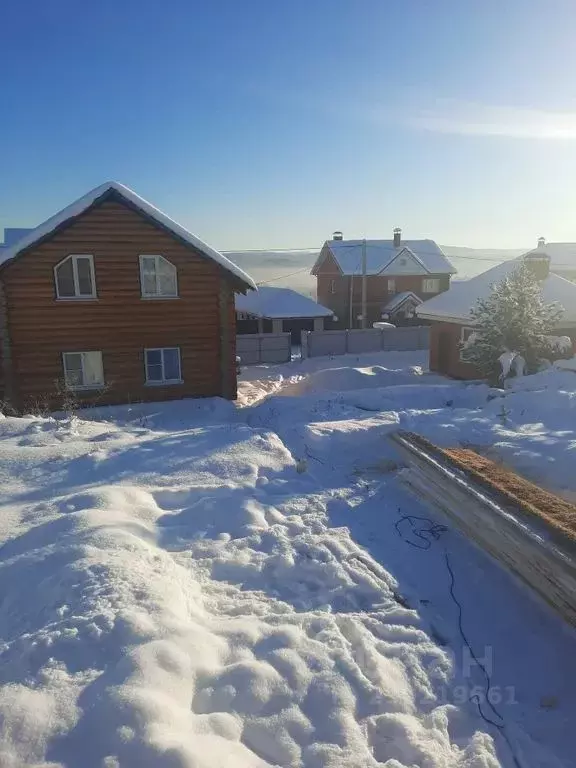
194 584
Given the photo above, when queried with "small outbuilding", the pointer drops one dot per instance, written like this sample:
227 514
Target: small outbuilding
277 310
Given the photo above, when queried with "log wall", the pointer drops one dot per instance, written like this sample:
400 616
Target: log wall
119 322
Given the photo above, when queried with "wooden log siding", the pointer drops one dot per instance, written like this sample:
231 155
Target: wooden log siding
119 323
538 554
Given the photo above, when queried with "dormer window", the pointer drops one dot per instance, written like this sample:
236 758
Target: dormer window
158 278
74 277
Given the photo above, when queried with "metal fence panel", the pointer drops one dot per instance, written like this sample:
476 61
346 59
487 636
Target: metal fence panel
368 340
254 348
323 343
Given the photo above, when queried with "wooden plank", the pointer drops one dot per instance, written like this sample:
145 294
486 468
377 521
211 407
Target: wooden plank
528 548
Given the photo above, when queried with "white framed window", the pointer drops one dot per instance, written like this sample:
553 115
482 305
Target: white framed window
465 334
74 277
332 286
391 285
158 278
431 285
83 370
163 365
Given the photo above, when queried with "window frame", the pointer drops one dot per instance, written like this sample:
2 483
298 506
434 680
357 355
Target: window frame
157 257
83 387
332 286
77 296
164 382
391 285
465 332
436 280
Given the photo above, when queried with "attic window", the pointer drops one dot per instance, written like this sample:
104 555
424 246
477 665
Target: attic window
158 278
74 277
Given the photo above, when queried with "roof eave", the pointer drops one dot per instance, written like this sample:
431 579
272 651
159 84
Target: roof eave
445 318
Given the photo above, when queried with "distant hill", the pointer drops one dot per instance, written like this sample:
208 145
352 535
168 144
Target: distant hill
267 266
472 261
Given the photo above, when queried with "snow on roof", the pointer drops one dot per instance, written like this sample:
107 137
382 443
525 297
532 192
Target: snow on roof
562 255
271 302
379 254
456 303
400 298
13 234
80 205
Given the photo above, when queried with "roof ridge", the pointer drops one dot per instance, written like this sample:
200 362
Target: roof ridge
85 201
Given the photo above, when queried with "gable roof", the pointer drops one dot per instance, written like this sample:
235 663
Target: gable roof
272 302
380 253
83 203
455 304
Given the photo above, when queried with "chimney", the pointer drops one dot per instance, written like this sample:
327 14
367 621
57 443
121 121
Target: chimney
337 235
539 263
541 242
397 237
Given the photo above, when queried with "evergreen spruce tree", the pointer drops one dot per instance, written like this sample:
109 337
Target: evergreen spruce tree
513 318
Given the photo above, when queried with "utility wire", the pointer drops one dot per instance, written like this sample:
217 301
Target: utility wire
424 532
281 277
491 259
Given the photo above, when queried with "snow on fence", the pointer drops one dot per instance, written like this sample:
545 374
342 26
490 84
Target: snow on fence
544 559
322 343
254 348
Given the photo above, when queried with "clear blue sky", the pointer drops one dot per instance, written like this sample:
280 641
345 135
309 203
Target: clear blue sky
270 123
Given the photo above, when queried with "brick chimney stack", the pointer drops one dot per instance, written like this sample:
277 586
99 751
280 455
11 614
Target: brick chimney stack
397 237
539 263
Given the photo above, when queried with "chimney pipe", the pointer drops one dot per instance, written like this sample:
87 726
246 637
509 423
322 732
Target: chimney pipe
397 237
337 235
541 242
539 263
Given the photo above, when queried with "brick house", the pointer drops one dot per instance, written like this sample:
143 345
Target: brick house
112 300
450 312
400 275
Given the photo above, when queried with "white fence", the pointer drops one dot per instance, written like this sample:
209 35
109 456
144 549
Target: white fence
253 348
322 343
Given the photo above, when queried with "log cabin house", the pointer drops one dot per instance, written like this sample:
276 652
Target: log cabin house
110 301
400 275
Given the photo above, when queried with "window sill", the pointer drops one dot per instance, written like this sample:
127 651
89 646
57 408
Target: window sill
76 298
159 298
171 383
87 388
